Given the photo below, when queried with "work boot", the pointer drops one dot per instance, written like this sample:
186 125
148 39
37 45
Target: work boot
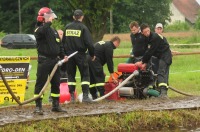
71 91
38 109
72 100
50 99
101 90
56 106
85 89
163 92
93 92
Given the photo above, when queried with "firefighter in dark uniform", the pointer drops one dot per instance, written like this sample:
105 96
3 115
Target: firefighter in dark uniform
160 49
78 38
104 54
49 49
139 42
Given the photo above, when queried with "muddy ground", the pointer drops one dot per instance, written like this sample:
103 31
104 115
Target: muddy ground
15 114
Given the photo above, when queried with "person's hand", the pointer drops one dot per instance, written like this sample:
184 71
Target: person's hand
114 79
93 58
138 64
48 18
65 58
143 66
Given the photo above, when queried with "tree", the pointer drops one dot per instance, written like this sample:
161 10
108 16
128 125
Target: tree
148 11
96 15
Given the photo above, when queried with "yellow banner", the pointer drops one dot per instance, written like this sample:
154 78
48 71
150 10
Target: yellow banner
14 59
15 70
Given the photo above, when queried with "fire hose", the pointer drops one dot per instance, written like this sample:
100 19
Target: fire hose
44 87
174 54
135 73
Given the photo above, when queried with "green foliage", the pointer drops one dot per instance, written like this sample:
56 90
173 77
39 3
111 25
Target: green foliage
97 14
197 23
177 26
57 24
142 11
2 34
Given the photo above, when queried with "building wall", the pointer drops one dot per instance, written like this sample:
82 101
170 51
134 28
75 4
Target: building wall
176 15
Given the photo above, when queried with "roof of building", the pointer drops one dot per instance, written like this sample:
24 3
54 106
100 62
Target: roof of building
189 8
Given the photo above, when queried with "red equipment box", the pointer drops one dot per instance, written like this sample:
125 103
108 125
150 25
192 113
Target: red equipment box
127 68
109 86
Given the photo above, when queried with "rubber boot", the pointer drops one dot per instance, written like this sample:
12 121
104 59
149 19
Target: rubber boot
38 109
56 106
101 90
71 91
93 92
85 89
163 92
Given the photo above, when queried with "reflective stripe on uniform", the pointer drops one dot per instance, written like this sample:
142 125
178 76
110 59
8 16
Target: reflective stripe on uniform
35 95
71 83
93 85
150 86
100 84
57 40
85 82
162 84
55 95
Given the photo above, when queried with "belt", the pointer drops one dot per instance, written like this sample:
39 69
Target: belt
46 57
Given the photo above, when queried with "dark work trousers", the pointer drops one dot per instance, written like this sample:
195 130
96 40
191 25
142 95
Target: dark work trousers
97 77
137 59
154 64
45 66
80 61
163 73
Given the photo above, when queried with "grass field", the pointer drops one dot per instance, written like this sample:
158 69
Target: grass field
184 72
184 75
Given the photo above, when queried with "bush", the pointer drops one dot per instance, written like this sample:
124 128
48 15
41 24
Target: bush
177 26
197 23
2 34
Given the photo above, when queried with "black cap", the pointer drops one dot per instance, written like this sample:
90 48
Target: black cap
78 12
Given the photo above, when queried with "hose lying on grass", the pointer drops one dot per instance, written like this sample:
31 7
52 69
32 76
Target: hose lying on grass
44 87
180 92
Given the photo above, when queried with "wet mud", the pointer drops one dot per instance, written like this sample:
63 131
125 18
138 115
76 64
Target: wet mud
16 114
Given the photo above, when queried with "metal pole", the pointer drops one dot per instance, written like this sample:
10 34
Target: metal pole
20 24
111 22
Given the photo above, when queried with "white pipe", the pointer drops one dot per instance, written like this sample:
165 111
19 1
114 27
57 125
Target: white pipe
135 73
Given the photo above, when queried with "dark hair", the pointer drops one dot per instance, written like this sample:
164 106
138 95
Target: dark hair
133 24
77 17
115 38
144 26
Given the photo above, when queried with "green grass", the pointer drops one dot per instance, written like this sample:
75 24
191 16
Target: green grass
127 122
184 40
181 76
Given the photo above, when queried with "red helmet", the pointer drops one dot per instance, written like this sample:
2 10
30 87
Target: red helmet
45 13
